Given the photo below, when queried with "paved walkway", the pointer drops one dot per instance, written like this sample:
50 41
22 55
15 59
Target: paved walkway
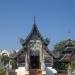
6 72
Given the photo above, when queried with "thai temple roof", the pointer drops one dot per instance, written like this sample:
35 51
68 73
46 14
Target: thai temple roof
69 43
66 58
68 51
34 31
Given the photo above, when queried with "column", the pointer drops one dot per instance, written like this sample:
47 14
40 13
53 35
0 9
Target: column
26 63
42 61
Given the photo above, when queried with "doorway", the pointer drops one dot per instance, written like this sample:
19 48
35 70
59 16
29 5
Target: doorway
34 62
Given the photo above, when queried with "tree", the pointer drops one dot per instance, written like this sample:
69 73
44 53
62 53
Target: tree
13 63
73 67
58 46
5 59
73 64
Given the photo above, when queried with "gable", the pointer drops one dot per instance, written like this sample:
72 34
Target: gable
34 32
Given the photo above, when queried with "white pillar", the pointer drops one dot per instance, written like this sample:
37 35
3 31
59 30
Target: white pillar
42 60
26 63
42 64
10 66
26 57
69 70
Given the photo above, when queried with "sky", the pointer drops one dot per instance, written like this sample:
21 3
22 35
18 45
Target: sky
54 19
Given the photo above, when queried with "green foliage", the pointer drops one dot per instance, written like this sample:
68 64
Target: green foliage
73 64
63 66
13 63
66 66
2 72
57 74
73 73
74 41
4 59
59 46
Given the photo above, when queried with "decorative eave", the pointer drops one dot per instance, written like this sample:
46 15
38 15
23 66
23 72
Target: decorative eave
69 46
69 49
48 51
19 52
69 43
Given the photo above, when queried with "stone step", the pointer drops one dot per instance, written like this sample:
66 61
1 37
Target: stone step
35 72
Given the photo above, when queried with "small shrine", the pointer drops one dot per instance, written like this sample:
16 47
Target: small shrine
67 54
34 54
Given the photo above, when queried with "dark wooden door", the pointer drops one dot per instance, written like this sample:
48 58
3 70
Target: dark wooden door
34 62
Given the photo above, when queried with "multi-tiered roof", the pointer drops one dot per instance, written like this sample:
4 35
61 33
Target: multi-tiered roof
68 52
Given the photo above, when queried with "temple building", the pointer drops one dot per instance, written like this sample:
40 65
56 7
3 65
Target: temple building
34 54
67 54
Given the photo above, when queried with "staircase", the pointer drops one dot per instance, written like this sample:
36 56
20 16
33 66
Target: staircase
35 72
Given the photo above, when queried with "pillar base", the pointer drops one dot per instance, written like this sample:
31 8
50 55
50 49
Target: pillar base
26 72
43 72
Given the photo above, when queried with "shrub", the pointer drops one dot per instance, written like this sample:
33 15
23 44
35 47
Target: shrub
11 72
2 72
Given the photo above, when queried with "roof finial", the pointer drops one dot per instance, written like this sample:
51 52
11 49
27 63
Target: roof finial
34 19
69 34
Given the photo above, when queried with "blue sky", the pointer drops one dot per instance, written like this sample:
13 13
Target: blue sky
54 19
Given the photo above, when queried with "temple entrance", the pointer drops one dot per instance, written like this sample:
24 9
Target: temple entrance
34 62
